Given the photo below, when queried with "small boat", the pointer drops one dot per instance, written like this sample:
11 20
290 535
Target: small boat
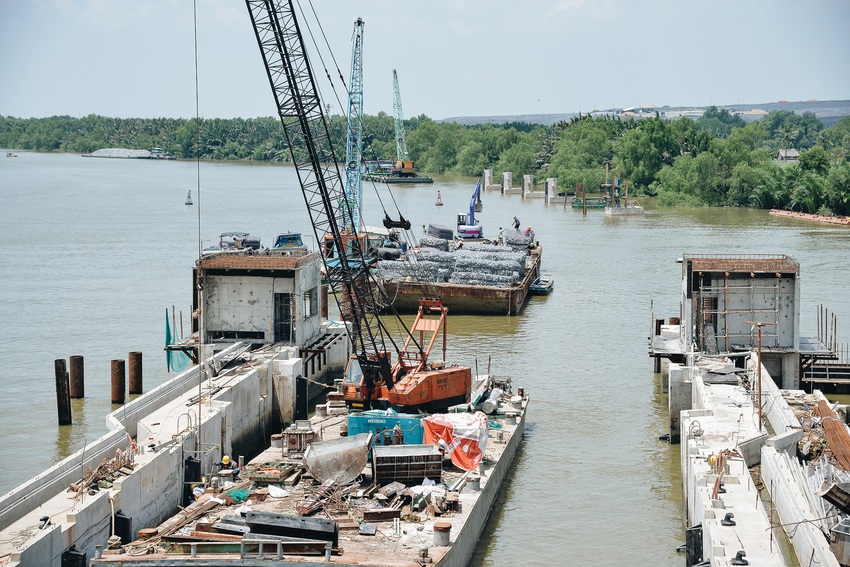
10 154
542 285
189 198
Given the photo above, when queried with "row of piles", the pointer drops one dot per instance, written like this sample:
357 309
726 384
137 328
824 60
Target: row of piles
71 384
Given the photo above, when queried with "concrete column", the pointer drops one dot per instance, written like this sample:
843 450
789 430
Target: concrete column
507 182
488 177
679 398
527 184
551 187
790 371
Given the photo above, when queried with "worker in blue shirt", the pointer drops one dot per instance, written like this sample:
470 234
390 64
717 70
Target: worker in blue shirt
226 463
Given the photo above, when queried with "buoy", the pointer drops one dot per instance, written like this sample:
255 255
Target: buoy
439 200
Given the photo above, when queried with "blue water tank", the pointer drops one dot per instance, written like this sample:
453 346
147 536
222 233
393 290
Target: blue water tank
382 424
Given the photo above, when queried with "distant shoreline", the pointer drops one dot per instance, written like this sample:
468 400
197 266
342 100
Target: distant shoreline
827 111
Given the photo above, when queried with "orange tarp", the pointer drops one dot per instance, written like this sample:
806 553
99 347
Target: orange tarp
463 436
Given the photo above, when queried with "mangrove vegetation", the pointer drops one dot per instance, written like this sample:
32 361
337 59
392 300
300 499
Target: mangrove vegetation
784 160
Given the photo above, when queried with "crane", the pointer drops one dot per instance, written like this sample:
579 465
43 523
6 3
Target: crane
413 381
398 119
354 135
403 166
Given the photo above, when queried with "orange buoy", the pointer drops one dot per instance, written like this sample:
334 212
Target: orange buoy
439 200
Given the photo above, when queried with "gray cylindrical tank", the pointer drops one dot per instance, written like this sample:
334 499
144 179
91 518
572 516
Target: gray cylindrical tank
491 404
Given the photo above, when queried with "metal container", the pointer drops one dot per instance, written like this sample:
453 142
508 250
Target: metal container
442 534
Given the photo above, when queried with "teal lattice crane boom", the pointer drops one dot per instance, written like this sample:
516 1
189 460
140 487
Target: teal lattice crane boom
398 115
354 135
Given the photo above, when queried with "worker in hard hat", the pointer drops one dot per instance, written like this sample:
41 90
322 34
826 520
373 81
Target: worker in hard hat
226 463
197 492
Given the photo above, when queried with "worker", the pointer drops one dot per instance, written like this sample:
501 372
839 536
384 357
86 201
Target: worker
226 463
197 492
460 244
528 231
501 240
516 223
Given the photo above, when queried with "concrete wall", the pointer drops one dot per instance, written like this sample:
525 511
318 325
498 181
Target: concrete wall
42 487
249 413
782 478
152 491
246 303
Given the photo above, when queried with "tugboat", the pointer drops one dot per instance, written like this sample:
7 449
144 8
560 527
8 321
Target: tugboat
189 198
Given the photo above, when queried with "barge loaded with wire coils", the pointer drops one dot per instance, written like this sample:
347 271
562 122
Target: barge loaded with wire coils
476 278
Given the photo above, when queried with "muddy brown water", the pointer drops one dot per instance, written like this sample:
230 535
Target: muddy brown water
96 250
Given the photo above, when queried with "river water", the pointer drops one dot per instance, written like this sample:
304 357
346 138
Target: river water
96 250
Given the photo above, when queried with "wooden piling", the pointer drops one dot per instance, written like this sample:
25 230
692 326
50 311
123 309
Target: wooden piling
135 373
118 381
78 387
63 392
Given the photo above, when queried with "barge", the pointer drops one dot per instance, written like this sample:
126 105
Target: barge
392 514
475 278
839 220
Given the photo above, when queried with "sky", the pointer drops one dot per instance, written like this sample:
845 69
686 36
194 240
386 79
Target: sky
135 58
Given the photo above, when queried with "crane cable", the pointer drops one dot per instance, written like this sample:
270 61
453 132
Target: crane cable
416 276
399 323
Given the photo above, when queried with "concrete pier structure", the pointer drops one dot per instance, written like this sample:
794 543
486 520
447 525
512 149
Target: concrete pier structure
240 406
263 339
770 513
760 459
528 191
507 184
488 181
551 191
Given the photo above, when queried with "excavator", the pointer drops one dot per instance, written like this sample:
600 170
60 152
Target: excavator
413 382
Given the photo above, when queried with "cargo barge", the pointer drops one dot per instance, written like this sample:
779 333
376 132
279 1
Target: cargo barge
410 504
471 278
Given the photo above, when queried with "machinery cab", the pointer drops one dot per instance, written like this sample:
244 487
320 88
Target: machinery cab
368 245
466 228
363 385
404 168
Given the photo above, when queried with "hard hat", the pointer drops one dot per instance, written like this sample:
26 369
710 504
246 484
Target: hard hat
226 459
193 486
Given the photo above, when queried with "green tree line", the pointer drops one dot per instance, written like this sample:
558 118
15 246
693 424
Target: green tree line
718 160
